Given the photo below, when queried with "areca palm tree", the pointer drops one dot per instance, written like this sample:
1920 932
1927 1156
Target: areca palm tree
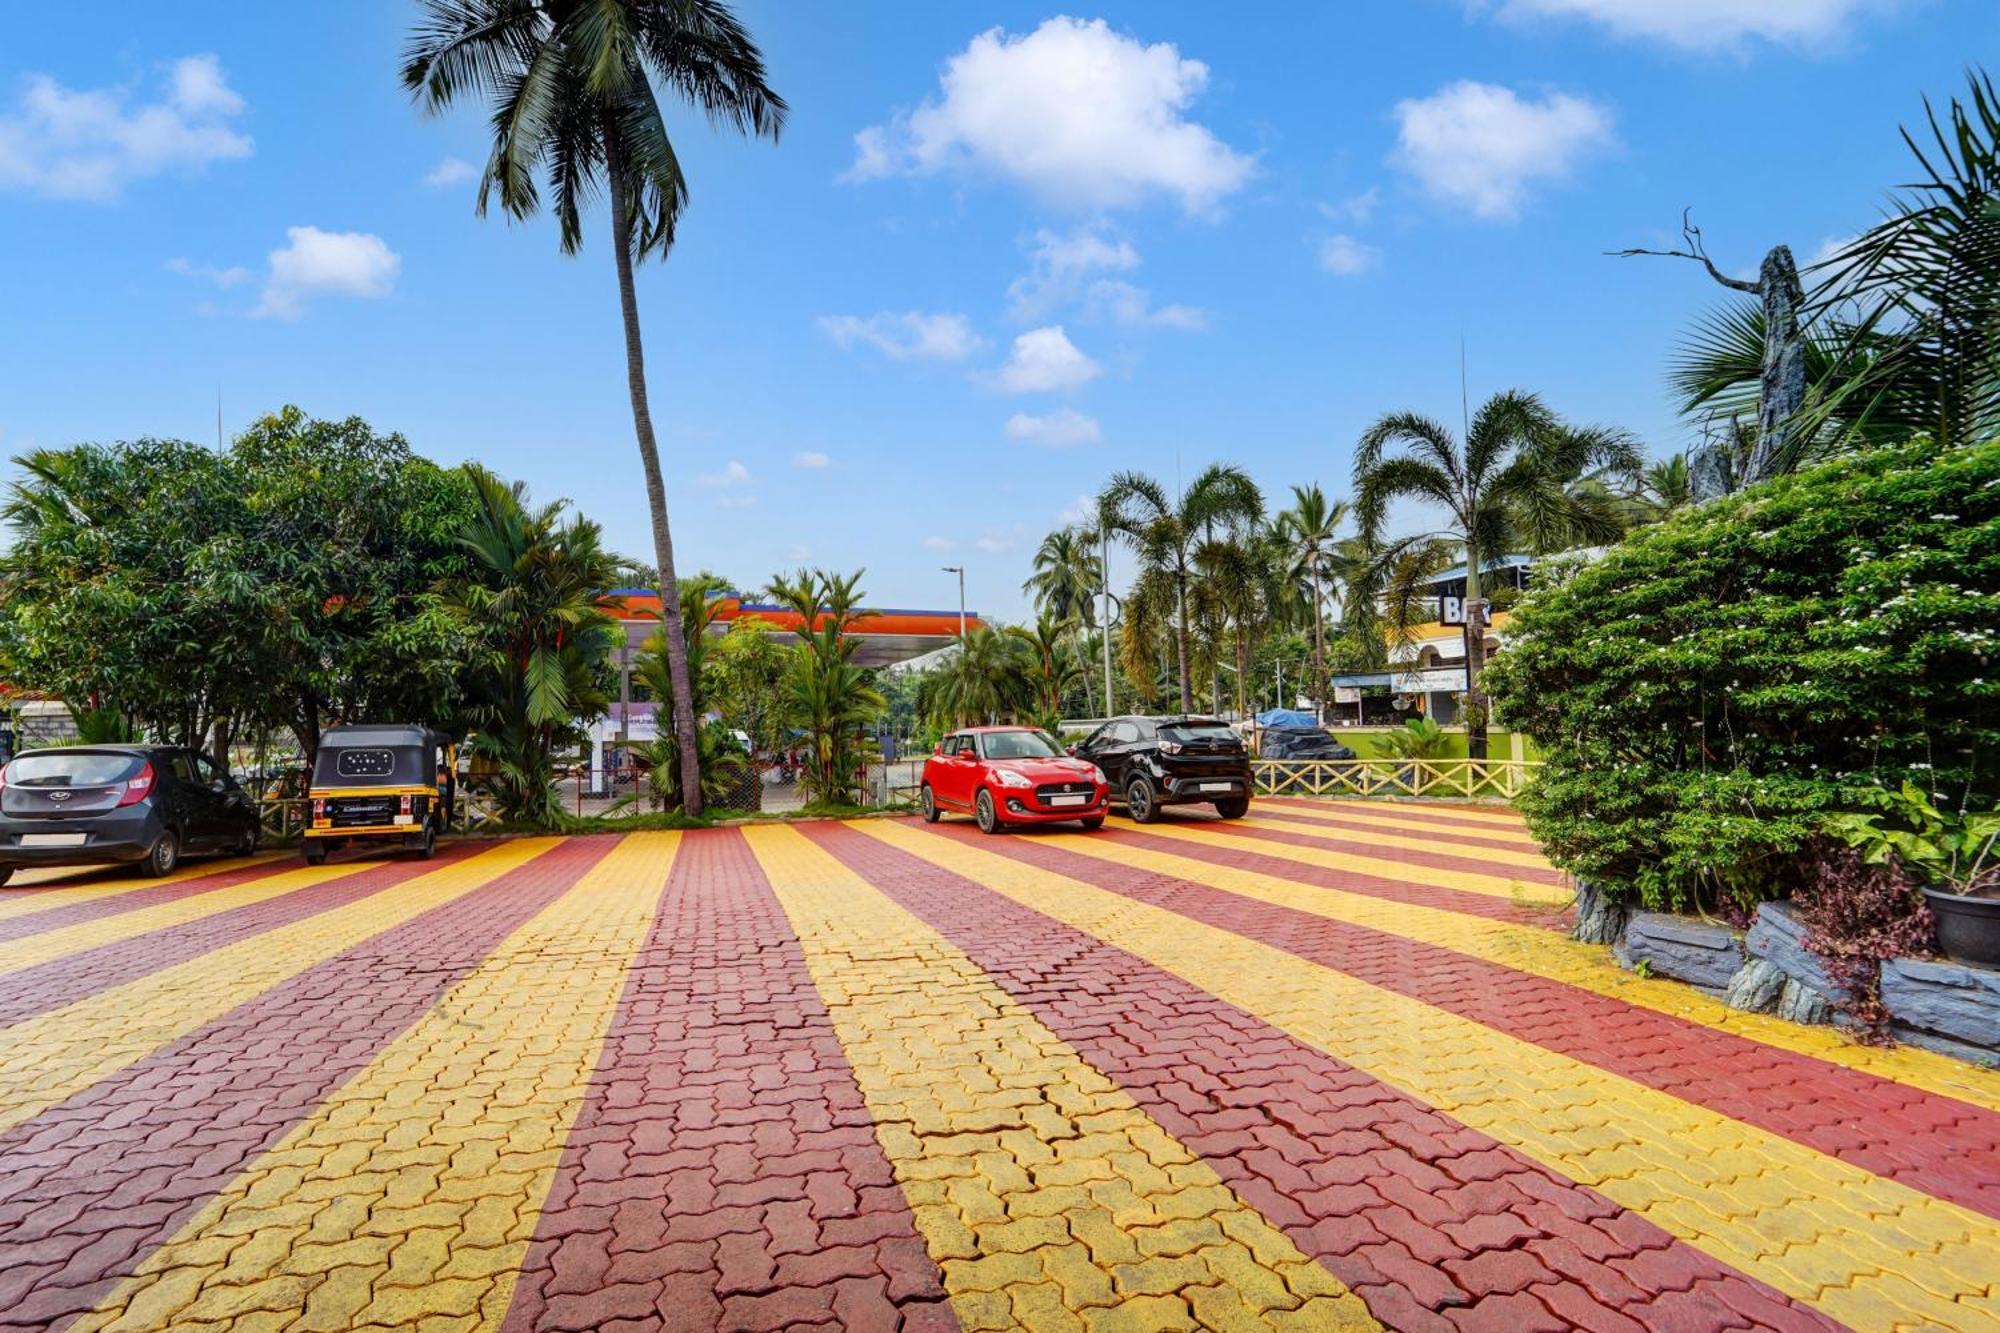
1067 578
1510 483
1050 671
829 696
1164 532
1310 530
572 86
992 675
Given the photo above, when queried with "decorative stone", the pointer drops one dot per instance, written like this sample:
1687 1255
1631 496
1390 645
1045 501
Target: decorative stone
1598 919
1800 1003
1778 936
1708 956
1949 999
1756 987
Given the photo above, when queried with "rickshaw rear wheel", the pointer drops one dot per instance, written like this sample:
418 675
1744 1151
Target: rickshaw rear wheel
314 853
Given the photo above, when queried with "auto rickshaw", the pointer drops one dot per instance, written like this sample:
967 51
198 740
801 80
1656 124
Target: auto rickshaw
380 783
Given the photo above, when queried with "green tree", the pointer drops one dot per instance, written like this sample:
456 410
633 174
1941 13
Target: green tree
532 600
826 694
991 675
1310 530
748 666
1164 531
572 84
723 762
1051 670
1067 577
1510 483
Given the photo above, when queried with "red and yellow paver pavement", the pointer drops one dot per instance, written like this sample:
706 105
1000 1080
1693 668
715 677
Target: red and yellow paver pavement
1330 1067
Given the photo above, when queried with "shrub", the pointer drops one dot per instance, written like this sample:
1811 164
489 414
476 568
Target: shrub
1714 687
1858 916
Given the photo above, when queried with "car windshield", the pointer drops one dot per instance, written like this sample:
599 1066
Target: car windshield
1198 733
1018 745
75 769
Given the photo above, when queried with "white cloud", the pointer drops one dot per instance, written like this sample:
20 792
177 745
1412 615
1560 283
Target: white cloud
994 545
1064 426
451 171
940 544
1705 25
812 460
1076 113
326 263
1356 209
1044 361
735 501
1109 300
1061 269
1484 146
911 335
1346 256
735 474
62 143
233 276
1082 510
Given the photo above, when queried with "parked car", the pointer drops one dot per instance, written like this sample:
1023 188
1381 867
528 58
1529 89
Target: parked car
1152 762
1010 775
75 805
1300 743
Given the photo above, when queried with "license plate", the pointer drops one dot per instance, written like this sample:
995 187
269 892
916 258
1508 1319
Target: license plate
406 819
1069 800
1218 786
53 839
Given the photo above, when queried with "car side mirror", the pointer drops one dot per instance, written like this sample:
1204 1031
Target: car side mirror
938 750
1070 749
219 786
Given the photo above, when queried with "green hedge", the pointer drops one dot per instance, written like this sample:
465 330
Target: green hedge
1707 690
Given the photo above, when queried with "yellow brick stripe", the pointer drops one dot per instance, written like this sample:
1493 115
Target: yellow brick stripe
1048 1198
1525 892
1439 841
51 945
1864 1250
413 1193
1392 818
1478 814
15 901
57 1054
1543 953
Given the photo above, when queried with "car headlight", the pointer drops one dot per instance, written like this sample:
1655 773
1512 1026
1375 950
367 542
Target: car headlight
1007 777
1095 774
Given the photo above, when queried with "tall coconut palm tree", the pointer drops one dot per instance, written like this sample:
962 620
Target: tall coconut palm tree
1310 530
1067 578
1164 532
572 87
1510 483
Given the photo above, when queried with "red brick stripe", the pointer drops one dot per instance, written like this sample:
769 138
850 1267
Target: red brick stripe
93 909
60 981
91 1186
1348 881
1433 1224
1917 1138
1292 835
1356 822
1427 811
724 1171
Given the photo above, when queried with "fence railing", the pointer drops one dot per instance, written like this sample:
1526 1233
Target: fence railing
1462 778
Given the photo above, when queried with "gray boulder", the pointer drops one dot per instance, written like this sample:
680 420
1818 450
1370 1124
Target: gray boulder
1708 956
1950 999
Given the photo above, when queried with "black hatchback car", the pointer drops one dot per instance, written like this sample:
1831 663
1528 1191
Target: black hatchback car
146 804
1151 762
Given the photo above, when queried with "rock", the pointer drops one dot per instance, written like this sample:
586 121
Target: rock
1778 937
1598 919
1800 1003
1708 956
1950 999
1756 987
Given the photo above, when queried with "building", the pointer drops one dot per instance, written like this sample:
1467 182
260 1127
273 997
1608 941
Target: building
1426 674
883 638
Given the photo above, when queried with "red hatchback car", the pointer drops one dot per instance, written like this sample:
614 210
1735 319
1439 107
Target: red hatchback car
1011 775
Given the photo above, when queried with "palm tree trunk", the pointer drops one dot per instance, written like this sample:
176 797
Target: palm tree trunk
656 487
1242 675
1475 661
1083 662
1319 649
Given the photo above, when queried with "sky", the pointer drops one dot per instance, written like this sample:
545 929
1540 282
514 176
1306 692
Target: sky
999 253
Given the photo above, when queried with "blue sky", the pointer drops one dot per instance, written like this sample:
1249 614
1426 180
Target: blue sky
999 253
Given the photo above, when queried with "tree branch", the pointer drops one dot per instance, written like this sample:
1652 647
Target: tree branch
1695 251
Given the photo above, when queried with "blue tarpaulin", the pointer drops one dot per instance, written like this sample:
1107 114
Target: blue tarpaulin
1286 717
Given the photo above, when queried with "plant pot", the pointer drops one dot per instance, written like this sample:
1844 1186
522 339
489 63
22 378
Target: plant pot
1968 928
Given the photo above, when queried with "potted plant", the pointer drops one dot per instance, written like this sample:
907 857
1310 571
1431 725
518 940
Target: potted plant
1955 855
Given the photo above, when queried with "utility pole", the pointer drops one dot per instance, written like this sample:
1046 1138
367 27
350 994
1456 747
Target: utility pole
960 571
1104 586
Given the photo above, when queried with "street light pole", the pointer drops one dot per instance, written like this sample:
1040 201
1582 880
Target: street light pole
960 571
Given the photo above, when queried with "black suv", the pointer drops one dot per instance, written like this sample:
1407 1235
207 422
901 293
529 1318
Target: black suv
1152 762
75 805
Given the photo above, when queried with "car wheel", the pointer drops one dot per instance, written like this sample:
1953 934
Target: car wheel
1234 808
164 856
983 811
1092 824
1141 801
314 853
247 844
929 805
6 873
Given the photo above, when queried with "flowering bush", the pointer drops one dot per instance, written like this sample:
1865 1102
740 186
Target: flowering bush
1715 687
